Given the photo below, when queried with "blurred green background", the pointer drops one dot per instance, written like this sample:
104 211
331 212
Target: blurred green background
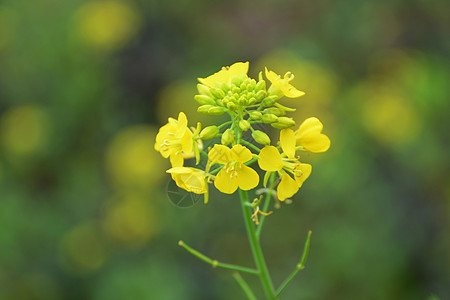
85 85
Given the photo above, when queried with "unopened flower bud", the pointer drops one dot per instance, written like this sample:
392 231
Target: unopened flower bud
244 125
260 86
217 93
236 80
209 132
203 89
204 109
255 115
260 95
273 110
204 99
216 110
252 101
227 137
269 118
225 86
260 137
231 106
243 100
270 100
253 84
283 123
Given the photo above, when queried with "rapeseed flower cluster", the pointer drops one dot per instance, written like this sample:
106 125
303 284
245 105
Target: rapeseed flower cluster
247 102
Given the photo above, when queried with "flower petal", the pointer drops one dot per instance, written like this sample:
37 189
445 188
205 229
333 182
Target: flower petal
290 91
176 159
180 170
287 187
310 137
241 153
186 142
270 159
191 179
302 172
247 178
162 136
225 182
225 74
272 76
220 154
287 142
182 120
194 183
281 86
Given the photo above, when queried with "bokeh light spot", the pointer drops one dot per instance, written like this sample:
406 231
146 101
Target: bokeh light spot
82 249
24 130
107 25
131 161
130 221
390 118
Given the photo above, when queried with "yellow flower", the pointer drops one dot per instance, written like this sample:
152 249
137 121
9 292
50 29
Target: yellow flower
272 161
234 174
191 179
225 75
309 136
174 139
281 86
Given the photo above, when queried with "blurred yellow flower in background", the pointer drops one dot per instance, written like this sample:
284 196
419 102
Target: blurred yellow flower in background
82 249
391 118
130 220
131 162
107 25
24 130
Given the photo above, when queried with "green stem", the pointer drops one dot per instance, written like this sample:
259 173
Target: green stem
245 287
203 152
224 124
299 267
256 247
250 145
216 170
250 161
216 263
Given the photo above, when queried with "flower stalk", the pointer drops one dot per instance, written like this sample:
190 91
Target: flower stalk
256 247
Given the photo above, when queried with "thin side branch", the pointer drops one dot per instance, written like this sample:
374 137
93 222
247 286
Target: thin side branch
245 287
216 263
300 266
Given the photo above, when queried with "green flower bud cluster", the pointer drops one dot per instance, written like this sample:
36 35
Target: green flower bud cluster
246 96
239 92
